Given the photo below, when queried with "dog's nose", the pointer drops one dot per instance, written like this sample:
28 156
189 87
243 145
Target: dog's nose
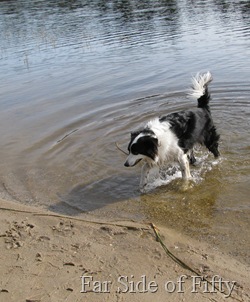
126 164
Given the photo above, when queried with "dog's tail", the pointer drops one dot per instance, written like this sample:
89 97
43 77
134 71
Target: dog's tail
200 89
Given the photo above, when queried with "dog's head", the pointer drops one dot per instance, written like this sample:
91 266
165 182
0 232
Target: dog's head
143 145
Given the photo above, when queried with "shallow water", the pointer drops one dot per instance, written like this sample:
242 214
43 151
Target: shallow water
78 76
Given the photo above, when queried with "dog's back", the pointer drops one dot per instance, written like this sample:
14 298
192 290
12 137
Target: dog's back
196 125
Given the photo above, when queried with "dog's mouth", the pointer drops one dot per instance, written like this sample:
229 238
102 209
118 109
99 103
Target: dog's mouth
136 162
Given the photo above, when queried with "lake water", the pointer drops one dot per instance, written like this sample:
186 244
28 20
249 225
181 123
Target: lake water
78 76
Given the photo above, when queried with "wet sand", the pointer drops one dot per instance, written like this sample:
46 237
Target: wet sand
48 257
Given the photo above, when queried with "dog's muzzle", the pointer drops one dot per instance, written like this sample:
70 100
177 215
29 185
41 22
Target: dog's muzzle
126 164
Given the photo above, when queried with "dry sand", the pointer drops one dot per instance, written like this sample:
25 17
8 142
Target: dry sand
43 258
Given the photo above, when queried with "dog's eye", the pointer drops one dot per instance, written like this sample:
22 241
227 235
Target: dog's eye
133 150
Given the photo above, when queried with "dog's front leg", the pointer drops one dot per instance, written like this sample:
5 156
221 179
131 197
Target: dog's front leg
144 175
184 165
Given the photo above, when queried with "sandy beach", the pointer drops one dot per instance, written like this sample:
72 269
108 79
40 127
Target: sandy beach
48 257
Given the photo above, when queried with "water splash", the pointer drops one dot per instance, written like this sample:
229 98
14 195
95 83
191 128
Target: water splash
171 172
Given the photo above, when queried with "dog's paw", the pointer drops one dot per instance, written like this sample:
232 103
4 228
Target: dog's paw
143 188
187 184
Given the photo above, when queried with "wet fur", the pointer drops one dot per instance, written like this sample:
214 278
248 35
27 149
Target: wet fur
172 137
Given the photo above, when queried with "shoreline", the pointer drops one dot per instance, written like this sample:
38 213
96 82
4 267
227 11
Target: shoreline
50 257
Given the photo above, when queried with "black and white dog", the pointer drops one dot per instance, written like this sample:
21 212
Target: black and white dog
171 138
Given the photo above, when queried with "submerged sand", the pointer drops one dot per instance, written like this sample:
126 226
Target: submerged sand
45 257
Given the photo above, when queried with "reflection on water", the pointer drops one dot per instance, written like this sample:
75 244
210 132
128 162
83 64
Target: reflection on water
77 76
